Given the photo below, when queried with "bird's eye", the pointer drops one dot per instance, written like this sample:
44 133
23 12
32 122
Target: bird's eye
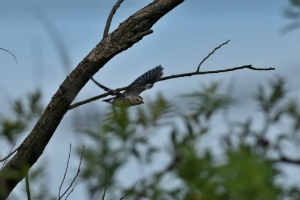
137 99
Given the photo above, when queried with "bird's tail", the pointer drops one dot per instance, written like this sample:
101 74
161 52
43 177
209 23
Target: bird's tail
110 100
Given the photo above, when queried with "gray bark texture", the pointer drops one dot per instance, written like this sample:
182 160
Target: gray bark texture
128 33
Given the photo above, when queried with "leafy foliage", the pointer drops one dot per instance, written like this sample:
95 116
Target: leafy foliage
245 169
24 113
164 135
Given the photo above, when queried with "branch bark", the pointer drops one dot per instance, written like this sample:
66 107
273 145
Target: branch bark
128 33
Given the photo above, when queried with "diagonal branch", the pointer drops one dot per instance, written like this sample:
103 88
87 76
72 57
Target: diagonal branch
129 192
11 152
171 77
116 42
66 171
211 53
75 177
111 15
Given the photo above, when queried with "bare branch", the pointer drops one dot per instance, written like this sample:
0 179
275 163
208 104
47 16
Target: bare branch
129 192
10 54
78 171
11 153
71 191
198 69
216 71
62 182
27 187
103 196
109 19
171 77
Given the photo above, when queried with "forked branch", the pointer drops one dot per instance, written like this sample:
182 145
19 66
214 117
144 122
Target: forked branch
66 171
197 72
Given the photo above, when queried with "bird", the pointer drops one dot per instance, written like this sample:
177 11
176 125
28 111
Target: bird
130 97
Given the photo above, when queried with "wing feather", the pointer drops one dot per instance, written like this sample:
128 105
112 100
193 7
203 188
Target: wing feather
144 82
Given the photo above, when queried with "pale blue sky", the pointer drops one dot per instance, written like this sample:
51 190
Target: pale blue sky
180 41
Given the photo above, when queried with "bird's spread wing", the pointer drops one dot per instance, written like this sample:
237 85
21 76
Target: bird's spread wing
144 82
110 91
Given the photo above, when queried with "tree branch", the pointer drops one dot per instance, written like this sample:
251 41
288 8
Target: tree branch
116 42
211 53
111 15
10 53
71 191
171 77
65 174
70 186
129 191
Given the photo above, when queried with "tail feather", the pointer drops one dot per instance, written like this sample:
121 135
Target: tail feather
110 100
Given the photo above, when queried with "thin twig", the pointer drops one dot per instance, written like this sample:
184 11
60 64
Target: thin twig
70 191
171 77
215 72
78 171
109 19
11 153
27 186
129 191
62 182
10 54
103 196
211 53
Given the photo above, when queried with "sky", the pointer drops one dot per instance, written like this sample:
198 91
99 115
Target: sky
181 39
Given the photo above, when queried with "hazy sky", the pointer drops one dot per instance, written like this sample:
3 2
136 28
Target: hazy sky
180 41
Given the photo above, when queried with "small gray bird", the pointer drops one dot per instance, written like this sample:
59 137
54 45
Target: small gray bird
130 97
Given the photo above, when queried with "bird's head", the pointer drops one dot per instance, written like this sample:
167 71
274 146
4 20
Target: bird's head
136 100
